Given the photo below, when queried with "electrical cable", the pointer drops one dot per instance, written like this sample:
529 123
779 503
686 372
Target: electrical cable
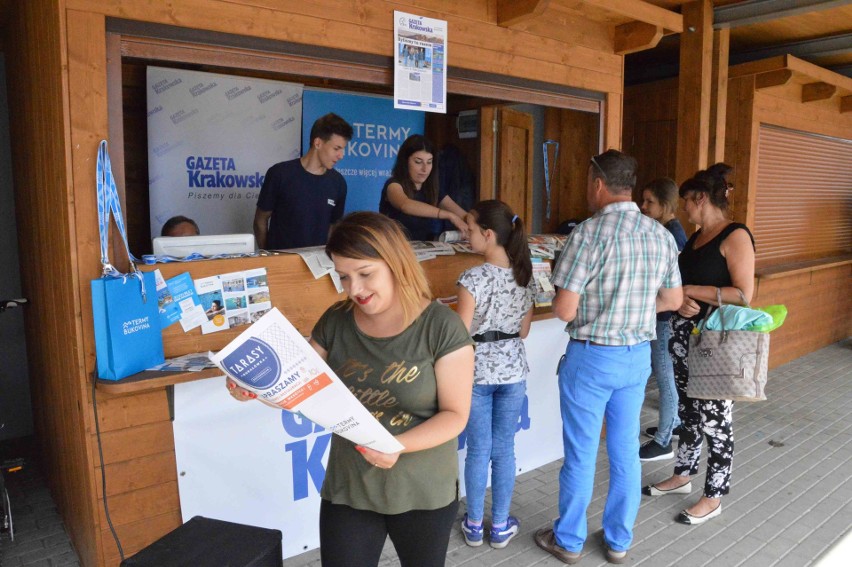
103 470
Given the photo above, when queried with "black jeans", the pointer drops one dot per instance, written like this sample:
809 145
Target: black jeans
355 538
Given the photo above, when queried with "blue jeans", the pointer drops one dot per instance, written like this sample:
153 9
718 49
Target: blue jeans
494 414
663 370
597 382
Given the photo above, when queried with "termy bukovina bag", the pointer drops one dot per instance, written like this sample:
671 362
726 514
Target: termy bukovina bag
124 306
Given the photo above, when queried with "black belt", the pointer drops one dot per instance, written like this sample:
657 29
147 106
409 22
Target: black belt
491 336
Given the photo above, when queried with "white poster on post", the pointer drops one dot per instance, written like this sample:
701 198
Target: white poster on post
247 463
211 139
420 63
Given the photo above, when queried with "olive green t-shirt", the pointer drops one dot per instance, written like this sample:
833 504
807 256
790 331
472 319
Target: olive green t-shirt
394 377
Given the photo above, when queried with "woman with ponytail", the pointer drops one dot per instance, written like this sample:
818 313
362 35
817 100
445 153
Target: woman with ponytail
496 304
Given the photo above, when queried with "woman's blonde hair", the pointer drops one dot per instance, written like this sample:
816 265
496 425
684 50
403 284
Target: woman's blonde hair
372 236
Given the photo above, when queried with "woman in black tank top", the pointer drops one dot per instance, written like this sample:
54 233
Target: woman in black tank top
719 255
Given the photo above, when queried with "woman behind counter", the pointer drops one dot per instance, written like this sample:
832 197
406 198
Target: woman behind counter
409 360
412 195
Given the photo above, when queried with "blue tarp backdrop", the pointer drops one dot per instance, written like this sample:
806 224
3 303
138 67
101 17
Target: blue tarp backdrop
378 131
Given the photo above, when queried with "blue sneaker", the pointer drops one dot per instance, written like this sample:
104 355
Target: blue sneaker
501 538
472 534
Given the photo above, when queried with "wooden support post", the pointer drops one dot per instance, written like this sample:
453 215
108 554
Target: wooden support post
817 91
846 104
719 95
511 12
694 89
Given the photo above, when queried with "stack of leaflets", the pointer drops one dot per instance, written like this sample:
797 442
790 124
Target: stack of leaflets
546 246
429 250
544 290
275 362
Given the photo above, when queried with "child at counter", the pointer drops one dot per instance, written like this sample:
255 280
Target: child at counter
409 360
496 304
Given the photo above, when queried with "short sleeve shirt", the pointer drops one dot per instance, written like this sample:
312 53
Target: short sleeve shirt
500 305
394 377
416 228
617 261
303 205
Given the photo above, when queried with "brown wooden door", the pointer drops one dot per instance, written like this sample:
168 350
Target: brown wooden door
506 157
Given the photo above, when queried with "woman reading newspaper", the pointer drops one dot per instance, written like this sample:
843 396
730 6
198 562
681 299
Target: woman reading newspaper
409 360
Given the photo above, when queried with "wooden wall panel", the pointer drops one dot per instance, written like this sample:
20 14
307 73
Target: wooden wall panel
823 296
36 64
583 60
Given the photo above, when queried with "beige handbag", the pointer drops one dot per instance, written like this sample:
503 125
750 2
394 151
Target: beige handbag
728 365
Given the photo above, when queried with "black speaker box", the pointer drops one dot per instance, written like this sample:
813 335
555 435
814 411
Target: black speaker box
205 542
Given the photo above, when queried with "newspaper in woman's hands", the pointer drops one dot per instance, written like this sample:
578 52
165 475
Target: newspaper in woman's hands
275 362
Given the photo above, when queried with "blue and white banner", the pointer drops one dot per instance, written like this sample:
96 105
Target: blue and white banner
211 139
248 463
377 132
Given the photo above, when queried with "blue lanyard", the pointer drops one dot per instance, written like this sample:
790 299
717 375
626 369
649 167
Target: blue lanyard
108 202
548 175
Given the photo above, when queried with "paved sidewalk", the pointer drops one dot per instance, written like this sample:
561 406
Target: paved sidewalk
790 501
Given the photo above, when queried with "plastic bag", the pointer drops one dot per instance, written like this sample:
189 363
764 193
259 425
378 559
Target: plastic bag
778 313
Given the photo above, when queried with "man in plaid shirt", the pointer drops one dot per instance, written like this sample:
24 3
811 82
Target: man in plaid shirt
618 269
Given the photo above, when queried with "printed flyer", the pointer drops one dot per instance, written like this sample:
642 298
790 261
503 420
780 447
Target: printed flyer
274 361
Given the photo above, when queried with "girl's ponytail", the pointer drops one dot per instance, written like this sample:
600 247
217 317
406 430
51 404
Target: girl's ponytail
511 235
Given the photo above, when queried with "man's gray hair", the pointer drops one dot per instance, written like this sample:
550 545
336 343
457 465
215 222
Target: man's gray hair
617 170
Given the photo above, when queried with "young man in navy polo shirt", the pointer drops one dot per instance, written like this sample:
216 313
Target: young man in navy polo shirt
301 198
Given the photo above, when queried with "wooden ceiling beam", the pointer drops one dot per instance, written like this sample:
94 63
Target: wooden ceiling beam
641 12
511 12
761 11
817 91
773 78
636 36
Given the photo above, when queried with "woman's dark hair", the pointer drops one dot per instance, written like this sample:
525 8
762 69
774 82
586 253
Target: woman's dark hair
665 191
713 181
411 145
509 228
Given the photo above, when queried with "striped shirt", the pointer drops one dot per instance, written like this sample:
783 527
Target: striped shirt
617 261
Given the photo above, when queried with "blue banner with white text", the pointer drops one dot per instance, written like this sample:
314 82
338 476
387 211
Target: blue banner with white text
377 132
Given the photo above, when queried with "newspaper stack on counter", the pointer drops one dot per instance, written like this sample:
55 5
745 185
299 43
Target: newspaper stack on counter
275 362
431 250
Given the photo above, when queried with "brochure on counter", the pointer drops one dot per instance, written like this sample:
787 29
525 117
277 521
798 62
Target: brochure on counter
275 362
318 263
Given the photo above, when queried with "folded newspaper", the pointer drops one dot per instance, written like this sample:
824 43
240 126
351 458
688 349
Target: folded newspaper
275 362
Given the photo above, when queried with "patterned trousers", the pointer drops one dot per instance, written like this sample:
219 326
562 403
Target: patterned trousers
712 418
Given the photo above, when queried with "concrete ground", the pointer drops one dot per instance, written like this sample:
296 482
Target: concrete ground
790 502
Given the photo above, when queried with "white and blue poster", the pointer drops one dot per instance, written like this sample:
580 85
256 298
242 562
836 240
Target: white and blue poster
211 139
265 467
420 63
377 132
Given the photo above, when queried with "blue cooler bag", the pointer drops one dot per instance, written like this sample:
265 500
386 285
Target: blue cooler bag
128 338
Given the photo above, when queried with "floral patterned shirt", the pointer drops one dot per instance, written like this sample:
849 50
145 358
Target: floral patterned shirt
501 305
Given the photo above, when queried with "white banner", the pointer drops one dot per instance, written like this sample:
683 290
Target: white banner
251 464
211 139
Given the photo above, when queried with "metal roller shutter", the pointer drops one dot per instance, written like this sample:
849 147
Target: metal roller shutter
803 206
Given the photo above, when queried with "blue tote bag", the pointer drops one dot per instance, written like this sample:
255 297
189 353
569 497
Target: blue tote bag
128 338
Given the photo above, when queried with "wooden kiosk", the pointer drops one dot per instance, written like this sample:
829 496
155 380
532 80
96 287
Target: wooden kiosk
65 62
